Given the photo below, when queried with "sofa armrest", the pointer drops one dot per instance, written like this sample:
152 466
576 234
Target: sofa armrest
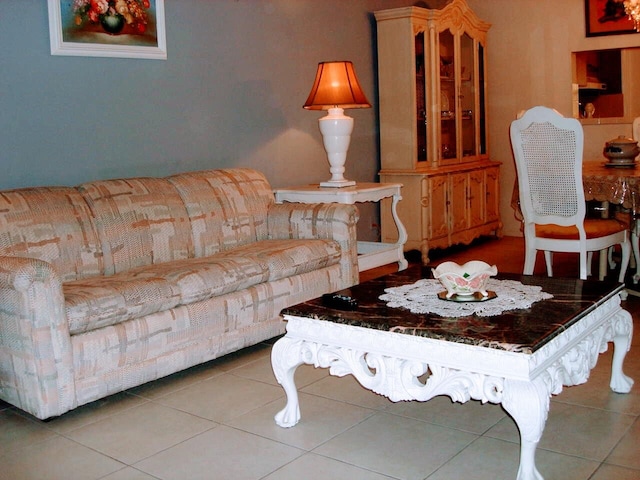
332 221
36 364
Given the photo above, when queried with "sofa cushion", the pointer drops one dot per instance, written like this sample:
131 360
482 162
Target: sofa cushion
102 301
227 208
140 221
52 224
284 258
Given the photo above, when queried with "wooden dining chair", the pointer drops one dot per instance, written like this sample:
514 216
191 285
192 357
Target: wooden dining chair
548 153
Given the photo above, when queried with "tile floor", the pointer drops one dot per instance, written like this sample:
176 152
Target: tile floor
215 421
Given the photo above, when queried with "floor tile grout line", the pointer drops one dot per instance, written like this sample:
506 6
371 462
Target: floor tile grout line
622 437
128 467
449 460
215 425
356 466
458 429
576 403
192 437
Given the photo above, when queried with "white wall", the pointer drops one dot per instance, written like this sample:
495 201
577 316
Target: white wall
529 63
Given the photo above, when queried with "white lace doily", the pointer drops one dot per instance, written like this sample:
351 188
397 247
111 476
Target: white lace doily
422 297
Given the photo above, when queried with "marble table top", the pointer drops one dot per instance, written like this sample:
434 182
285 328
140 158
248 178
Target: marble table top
517 330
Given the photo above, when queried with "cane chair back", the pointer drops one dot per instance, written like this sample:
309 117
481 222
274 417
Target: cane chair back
548 149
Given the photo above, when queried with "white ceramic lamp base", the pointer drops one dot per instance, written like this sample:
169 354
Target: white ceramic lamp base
336 130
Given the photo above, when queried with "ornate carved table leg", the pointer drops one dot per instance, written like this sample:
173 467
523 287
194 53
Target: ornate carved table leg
622 331
402 232
286 356
528 404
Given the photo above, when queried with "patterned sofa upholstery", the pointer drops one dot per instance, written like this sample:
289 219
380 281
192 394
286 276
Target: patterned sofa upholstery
115 283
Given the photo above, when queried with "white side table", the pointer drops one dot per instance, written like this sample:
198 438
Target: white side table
370 254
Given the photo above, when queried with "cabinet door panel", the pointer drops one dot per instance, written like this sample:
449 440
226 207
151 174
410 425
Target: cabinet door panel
458 202
436 203
476 206
492 194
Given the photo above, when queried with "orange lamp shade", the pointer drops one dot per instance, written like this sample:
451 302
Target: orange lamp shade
336 85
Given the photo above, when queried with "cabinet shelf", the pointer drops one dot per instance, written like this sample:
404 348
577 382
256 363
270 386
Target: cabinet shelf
452 79
464 117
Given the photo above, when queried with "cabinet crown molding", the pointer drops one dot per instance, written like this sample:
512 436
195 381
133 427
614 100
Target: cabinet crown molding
457 16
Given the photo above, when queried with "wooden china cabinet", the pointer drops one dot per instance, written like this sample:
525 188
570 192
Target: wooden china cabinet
433 125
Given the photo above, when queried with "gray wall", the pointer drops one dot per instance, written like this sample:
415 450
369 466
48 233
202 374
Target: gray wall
229 94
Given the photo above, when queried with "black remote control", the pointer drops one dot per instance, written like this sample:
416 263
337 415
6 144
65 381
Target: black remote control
339 301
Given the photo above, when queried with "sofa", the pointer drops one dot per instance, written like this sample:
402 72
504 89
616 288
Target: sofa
114 283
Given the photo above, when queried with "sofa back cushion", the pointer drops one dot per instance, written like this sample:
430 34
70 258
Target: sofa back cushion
52 224
140 221
227 208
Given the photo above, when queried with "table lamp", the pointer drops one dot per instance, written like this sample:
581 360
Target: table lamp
336 88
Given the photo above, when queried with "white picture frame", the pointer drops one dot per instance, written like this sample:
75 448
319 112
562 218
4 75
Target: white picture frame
73 33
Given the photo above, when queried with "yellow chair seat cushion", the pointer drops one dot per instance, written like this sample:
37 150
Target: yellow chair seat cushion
594 228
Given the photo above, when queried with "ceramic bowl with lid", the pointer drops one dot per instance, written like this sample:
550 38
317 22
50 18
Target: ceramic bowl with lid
621 150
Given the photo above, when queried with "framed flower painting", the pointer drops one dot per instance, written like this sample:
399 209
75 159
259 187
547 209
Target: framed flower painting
108 28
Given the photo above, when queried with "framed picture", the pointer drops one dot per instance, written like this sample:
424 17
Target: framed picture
606 17
108 28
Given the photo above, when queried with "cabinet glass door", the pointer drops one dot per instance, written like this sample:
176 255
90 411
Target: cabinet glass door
421 102
481 119
448 135
462 98
467 96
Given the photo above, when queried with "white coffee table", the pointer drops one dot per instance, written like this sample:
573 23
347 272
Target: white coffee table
492 366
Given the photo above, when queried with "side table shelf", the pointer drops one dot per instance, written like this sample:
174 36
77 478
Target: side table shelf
370 254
